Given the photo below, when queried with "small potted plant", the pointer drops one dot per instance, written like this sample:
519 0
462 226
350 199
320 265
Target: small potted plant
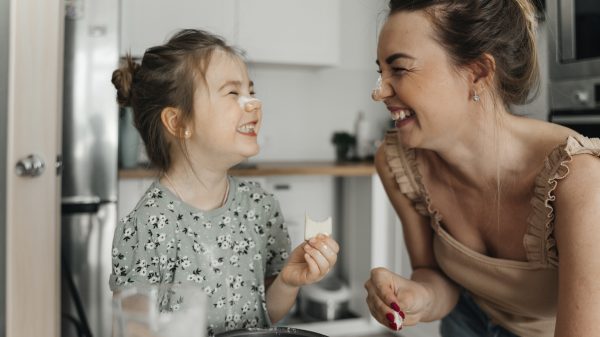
343 142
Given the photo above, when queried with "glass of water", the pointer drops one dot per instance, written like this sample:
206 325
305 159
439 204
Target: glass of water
174 310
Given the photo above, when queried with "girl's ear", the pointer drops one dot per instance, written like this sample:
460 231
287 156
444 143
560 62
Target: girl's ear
172 121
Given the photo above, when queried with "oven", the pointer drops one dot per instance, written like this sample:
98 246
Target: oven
574 64
574 38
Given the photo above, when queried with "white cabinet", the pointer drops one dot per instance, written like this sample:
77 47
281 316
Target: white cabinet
146 23
290 31
300 32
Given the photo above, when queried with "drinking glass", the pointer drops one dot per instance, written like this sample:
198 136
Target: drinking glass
167 311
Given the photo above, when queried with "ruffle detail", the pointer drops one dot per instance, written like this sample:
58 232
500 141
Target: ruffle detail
539 240
404 167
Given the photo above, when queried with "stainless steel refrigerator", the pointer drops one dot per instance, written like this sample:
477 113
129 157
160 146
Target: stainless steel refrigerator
89 154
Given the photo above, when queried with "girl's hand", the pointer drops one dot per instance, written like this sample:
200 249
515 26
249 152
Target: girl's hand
388 293
310 261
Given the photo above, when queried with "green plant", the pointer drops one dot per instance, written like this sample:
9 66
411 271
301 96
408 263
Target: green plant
343 138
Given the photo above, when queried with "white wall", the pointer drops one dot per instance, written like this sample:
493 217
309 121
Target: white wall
303 105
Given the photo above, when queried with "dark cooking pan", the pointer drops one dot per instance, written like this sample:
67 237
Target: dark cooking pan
270 332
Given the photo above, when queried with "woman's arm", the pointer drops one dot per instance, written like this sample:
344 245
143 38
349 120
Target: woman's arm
577 233
430 295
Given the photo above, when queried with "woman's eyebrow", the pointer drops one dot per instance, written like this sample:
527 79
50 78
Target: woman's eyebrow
394 57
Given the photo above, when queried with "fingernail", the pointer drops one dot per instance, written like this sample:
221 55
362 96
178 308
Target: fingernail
393 326
390 317
395 306
401 313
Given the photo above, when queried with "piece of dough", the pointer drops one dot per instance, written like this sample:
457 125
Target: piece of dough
398 320
312 228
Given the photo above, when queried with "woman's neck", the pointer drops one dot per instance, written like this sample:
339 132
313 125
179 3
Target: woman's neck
480 159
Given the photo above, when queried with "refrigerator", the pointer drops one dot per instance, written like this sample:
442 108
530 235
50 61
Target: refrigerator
89 171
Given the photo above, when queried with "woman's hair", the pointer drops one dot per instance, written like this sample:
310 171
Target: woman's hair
504 29
166 78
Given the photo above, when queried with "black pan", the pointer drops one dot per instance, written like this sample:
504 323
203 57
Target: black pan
270 332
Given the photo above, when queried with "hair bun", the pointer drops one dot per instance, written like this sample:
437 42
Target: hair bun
122 79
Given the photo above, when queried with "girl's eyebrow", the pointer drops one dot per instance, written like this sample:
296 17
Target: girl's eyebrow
235 84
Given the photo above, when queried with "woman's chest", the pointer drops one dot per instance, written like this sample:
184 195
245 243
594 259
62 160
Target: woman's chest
492 223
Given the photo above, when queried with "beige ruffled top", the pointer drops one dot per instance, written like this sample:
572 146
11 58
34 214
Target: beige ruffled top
519 295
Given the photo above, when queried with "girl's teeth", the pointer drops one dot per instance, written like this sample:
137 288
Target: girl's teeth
246 128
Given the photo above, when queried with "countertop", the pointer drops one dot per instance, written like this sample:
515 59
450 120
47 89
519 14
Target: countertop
345 169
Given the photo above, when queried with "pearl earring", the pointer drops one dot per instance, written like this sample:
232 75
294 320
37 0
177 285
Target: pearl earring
187 133
476 97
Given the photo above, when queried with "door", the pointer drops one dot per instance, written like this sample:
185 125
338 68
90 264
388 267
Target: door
30 101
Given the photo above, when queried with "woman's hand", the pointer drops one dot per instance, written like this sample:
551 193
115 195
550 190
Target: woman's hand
310 261
388 293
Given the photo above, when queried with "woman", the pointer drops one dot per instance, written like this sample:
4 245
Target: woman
498 211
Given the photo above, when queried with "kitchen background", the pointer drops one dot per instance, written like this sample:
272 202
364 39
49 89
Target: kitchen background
315 79
312 62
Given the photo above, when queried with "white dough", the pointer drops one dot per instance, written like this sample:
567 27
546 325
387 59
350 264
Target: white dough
398 320
312 228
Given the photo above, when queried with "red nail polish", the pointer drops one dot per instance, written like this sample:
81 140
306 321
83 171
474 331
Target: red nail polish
401 313
395 307
393 326
390 317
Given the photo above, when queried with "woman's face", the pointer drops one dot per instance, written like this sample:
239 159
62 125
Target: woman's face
225 127
427 96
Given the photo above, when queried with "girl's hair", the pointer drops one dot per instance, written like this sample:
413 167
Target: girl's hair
166 78
504 29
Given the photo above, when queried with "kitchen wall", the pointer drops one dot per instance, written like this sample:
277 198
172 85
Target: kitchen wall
304 105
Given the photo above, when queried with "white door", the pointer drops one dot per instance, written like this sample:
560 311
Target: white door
31 35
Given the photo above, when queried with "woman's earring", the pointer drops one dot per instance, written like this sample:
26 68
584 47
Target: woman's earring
476 97
187 134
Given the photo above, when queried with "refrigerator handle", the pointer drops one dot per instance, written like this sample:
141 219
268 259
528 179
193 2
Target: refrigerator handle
74 205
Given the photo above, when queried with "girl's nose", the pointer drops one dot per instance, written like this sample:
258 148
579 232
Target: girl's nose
382 90
249 104
252 105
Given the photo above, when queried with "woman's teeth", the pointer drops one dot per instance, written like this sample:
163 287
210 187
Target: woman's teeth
401 114
246 128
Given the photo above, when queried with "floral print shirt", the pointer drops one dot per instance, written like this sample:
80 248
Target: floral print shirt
228 252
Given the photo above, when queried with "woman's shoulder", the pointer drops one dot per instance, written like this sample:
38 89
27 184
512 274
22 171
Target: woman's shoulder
393 159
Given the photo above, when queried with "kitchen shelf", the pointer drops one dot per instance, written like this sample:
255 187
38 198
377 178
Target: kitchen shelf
349 169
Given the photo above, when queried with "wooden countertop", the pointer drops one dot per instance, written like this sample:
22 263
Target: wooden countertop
349 169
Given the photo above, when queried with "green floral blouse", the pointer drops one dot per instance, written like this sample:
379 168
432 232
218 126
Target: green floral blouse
228 252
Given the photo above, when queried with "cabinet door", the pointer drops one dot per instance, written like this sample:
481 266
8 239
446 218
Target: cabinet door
290 31
146 23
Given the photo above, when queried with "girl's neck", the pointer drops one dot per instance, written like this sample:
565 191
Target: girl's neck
204 189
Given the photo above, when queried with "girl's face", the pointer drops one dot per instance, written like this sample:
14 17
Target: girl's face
427 96
224 129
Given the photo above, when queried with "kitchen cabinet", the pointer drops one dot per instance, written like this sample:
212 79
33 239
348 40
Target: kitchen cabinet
290 31
299 32
146 23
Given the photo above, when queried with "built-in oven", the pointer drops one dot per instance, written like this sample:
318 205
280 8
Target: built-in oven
574 62
574 38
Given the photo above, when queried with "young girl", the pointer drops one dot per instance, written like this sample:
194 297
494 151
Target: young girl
195 109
